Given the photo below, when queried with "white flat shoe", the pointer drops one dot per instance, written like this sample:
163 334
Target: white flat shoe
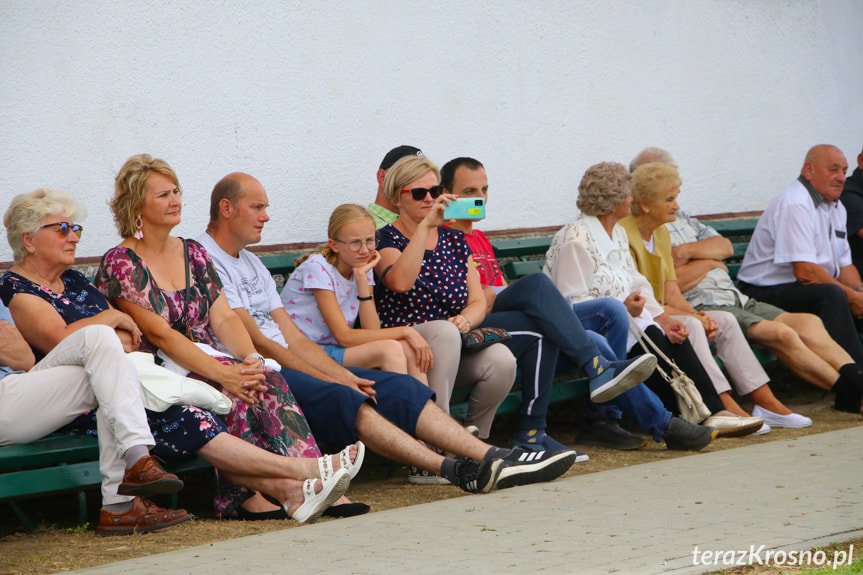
314 504
791 421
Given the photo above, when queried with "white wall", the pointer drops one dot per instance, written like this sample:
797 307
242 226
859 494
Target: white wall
308 96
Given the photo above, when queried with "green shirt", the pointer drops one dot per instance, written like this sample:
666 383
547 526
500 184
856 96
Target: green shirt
381 215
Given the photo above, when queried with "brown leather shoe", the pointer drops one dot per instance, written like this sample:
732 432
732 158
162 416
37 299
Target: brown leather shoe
143 516
147 478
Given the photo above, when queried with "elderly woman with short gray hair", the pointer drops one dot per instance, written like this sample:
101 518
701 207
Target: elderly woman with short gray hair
84 364
590 258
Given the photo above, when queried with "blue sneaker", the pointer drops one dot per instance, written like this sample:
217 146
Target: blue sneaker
621 376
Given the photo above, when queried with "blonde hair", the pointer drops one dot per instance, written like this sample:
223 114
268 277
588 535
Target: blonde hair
649 181
27 211
343 215
405 171
130 189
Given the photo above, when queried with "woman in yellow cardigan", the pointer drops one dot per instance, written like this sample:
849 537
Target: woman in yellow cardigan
655 188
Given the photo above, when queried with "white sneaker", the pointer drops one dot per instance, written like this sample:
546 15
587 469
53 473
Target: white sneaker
763 430
791 421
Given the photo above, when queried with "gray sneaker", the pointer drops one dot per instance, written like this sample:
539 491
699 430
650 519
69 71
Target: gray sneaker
682 435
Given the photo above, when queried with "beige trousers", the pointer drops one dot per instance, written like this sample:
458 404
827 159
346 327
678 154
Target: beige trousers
87 369
732 348
489 373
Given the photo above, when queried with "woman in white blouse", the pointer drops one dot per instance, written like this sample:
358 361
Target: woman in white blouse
590 258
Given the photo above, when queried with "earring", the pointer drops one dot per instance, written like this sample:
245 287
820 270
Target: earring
139 235
645 211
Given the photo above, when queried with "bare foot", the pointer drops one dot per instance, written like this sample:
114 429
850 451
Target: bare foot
295 495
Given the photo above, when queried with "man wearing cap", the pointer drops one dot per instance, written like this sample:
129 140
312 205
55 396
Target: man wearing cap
382 210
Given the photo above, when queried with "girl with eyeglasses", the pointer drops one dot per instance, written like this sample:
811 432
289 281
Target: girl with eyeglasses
332 288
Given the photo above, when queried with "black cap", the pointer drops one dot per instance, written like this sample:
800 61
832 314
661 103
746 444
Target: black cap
397 154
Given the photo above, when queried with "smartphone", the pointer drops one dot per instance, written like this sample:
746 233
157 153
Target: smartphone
465 209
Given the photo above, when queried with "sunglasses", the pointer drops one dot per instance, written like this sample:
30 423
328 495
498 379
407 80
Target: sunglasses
419 194
63 228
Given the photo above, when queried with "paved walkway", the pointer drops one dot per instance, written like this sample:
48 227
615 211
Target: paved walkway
644 519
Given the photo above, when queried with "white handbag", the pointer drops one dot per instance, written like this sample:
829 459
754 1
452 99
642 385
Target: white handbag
161 388
689 401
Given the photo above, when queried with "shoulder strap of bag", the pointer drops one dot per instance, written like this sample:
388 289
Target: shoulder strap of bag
642 338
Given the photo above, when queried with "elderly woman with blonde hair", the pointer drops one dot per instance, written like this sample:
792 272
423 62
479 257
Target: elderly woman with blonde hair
589 258
655 187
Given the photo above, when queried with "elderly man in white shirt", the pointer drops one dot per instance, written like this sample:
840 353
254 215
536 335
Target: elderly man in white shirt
799 260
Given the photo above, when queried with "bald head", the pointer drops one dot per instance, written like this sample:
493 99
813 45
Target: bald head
820 152
824 168
231 188
650 156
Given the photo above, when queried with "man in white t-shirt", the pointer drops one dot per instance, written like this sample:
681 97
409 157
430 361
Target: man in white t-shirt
384 410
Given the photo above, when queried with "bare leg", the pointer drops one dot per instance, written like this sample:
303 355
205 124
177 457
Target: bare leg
260 470
234 456
764 397
411 358
281 489
441 430
387 440
811 330
385 354
731 404
785 342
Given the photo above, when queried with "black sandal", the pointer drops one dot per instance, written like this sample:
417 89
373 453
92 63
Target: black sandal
346 510
244 514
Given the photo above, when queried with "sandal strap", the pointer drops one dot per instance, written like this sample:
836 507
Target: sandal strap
325 465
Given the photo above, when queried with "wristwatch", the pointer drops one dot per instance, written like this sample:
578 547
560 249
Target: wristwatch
257 356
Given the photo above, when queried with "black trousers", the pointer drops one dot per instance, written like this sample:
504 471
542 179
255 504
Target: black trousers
827 301
684 356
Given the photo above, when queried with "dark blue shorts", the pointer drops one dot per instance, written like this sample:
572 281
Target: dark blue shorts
331 408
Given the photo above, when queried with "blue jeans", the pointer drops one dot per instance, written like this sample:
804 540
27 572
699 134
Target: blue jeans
607 322
606 316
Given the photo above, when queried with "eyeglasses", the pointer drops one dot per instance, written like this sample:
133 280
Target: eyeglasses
357 245
63 228
419 194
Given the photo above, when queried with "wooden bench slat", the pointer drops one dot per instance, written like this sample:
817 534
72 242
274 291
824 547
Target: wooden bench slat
730 228
59 478
51 449
515 248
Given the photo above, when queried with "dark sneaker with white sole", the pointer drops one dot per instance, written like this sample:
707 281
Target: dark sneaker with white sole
525 467
474 476
682 435
621 376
